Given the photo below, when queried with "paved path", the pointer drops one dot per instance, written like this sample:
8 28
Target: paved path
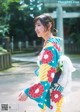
25 57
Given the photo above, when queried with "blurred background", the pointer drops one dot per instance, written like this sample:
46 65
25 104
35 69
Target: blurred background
17 27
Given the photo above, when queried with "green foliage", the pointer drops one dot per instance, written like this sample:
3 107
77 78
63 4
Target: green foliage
73 29
18 15
4 29
21 18
4 6
2 50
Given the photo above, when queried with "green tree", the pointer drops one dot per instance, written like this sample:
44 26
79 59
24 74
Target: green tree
17 16
21 15
72 32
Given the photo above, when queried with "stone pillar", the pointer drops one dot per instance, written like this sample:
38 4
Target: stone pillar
12 44
20 45
27 44
34 43
59 13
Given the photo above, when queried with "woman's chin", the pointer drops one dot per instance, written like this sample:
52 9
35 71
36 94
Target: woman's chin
38 35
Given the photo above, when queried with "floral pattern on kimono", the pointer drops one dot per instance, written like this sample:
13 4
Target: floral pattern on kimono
47 90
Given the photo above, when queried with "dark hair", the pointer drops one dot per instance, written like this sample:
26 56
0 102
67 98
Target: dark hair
45 19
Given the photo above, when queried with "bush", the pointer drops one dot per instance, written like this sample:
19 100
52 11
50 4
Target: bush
2 50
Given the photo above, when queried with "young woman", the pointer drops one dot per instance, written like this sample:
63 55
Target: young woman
47 92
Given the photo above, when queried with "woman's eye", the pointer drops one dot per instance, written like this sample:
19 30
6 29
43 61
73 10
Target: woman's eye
39 25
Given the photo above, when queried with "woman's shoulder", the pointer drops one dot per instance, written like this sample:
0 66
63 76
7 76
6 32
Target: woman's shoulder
54 42
55 39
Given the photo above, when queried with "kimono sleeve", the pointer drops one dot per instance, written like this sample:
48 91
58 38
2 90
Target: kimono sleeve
47 70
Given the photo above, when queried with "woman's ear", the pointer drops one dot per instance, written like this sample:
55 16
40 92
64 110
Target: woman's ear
49 26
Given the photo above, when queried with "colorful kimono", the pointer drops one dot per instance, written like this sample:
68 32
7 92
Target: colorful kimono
47 91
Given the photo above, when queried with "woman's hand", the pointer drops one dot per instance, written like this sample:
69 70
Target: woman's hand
22 96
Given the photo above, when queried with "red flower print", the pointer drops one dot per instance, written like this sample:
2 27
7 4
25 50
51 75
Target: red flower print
51 107
36 90
47 56
55 96
51 74
56 46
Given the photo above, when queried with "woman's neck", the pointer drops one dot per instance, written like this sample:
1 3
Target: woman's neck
47 36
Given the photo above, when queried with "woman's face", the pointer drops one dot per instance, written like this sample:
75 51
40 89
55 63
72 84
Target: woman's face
40 29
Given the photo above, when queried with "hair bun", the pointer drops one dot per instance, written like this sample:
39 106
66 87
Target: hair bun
55 30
